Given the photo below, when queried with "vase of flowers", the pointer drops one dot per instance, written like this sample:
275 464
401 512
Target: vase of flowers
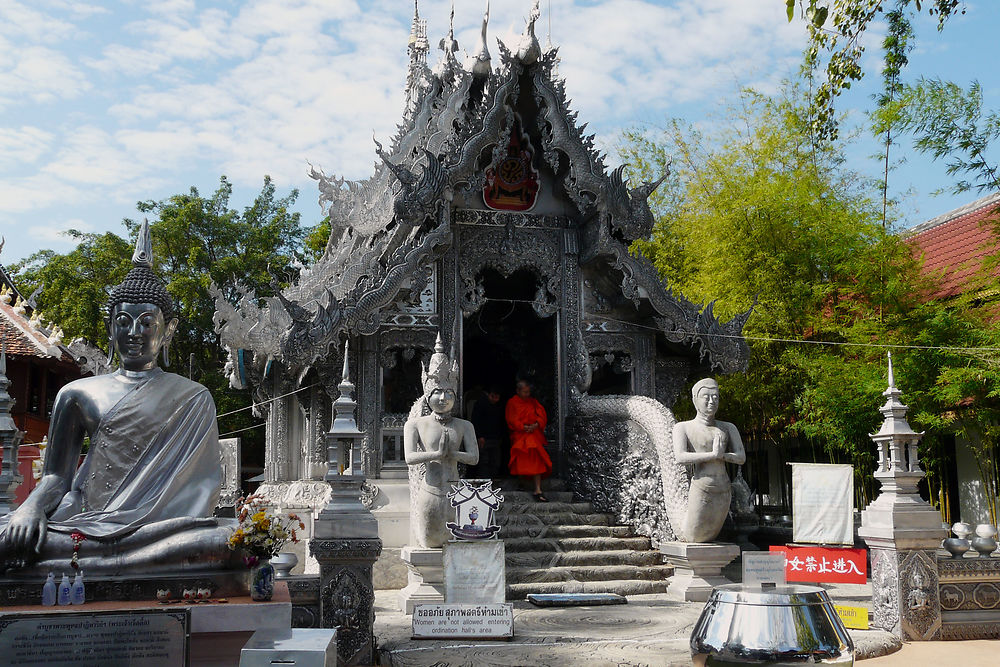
259 536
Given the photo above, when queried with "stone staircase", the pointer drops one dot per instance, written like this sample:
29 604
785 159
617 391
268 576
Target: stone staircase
564 546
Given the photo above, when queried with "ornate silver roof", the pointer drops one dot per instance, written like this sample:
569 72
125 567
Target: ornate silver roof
388 230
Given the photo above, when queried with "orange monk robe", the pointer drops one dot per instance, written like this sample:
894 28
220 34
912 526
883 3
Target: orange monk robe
527 450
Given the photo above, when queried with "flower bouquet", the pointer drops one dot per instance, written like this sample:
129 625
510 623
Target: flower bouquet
260 535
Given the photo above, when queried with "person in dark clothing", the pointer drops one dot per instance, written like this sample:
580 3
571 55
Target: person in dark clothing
491 427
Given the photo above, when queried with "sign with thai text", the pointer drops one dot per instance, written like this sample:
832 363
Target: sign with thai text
830 565
463 621
855 618
761 567
146 638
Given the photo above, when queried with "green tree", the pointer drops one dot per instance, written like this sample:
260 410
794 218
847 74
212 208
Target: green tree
836 31
75 285
950 124
196 240
758 210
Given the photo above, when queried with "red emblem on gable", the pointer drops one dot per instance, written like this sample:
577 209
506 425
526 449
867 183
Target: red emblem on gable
512 182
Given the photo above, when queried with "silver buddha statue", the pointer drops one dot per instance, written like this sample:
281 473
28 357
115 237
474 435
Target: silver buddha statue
143 498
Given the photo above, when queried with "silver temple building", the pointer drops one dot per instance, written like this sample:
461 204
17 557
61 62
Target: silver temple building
490 218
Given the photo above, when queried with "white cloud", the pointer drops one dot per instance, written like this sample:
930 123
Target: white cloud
32 25
23 145
180 93
35 192
54 233
38 74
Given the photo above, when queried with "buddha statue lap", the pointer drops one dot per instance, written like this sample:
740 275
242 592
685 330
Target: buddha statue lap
143 498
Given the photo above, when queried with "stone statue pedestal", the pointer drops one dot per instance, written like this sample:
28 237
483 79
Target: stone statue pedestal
426 578
697 567
346 544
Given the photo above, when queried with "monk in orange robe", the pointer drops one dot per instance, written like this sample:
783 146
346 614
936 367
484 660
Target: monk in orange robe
526 420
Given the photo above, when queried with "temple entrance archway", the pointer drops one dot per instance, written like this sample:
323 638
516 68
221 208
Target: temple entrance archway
506 340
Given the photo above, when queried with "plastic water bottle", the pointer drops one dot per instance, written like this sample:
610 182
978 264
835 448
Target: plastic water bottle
77 594
64 590
49 591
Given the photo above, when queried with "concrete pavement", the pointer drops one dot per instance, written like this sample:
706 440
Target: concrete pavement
649 630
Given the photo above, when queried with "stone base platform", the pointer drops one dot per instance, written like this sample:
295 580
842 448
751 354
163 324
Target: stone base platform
218 630
697 568
223 584
426 578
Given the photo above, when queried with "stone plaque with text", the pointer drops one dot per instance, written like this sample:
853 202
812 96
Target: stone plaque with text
463 621
147 638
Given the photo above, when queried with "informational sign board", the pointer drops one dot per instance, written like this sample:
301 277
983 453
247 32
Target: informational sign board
463 621
822 503
762 568
147 638
474 572
855 618
827 565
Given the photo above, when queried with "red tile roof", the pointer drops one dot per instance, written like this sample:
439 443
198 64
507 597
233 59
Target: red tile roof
954 244
23 339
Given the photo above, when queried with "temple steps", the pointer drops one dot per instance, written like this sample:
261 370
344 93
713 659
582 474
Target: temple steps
539 559
522 518
523 497
536 530
626 587
528 575
564 546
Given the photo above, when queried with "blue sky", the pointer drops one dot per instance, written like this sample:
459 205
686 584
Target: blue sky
103 104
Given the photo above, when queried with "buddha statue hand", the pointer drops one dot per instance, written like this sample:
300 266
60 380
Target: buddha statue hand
25 534
719 442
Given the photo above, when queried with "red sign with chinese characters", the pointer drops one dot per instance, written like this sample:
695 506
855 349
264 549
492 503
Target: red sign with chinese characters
828 565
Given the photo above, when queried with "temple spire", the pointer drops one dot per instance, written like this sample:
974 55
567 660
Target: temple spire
143 255
478 63
417 48
529 50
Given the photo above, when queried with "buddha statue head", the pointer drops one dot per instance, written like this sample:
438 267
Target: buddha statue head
705 396
140 312
440 381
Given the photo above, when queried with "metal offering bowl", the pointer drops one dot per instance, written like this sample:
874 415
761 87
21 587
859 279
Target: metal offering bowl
784 625
956 546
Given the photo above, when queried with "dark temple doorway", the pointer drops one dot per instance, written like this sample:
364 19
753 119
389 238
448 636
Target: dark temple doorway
506 341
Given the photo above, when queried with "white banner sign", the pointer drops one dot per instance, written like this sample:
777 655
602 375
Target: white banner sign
822 503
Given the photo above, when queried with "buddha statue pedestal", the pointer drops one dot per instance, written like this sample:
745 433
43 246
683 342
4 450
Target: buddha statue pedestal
697 567
426 578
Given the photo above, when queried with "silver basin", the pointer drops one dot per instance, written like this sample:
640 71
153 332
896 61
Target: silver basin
784 625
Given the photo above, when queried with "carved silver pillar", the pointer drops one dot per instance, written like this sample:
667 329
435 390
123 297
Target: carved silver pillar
345 538
10 440
903 532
